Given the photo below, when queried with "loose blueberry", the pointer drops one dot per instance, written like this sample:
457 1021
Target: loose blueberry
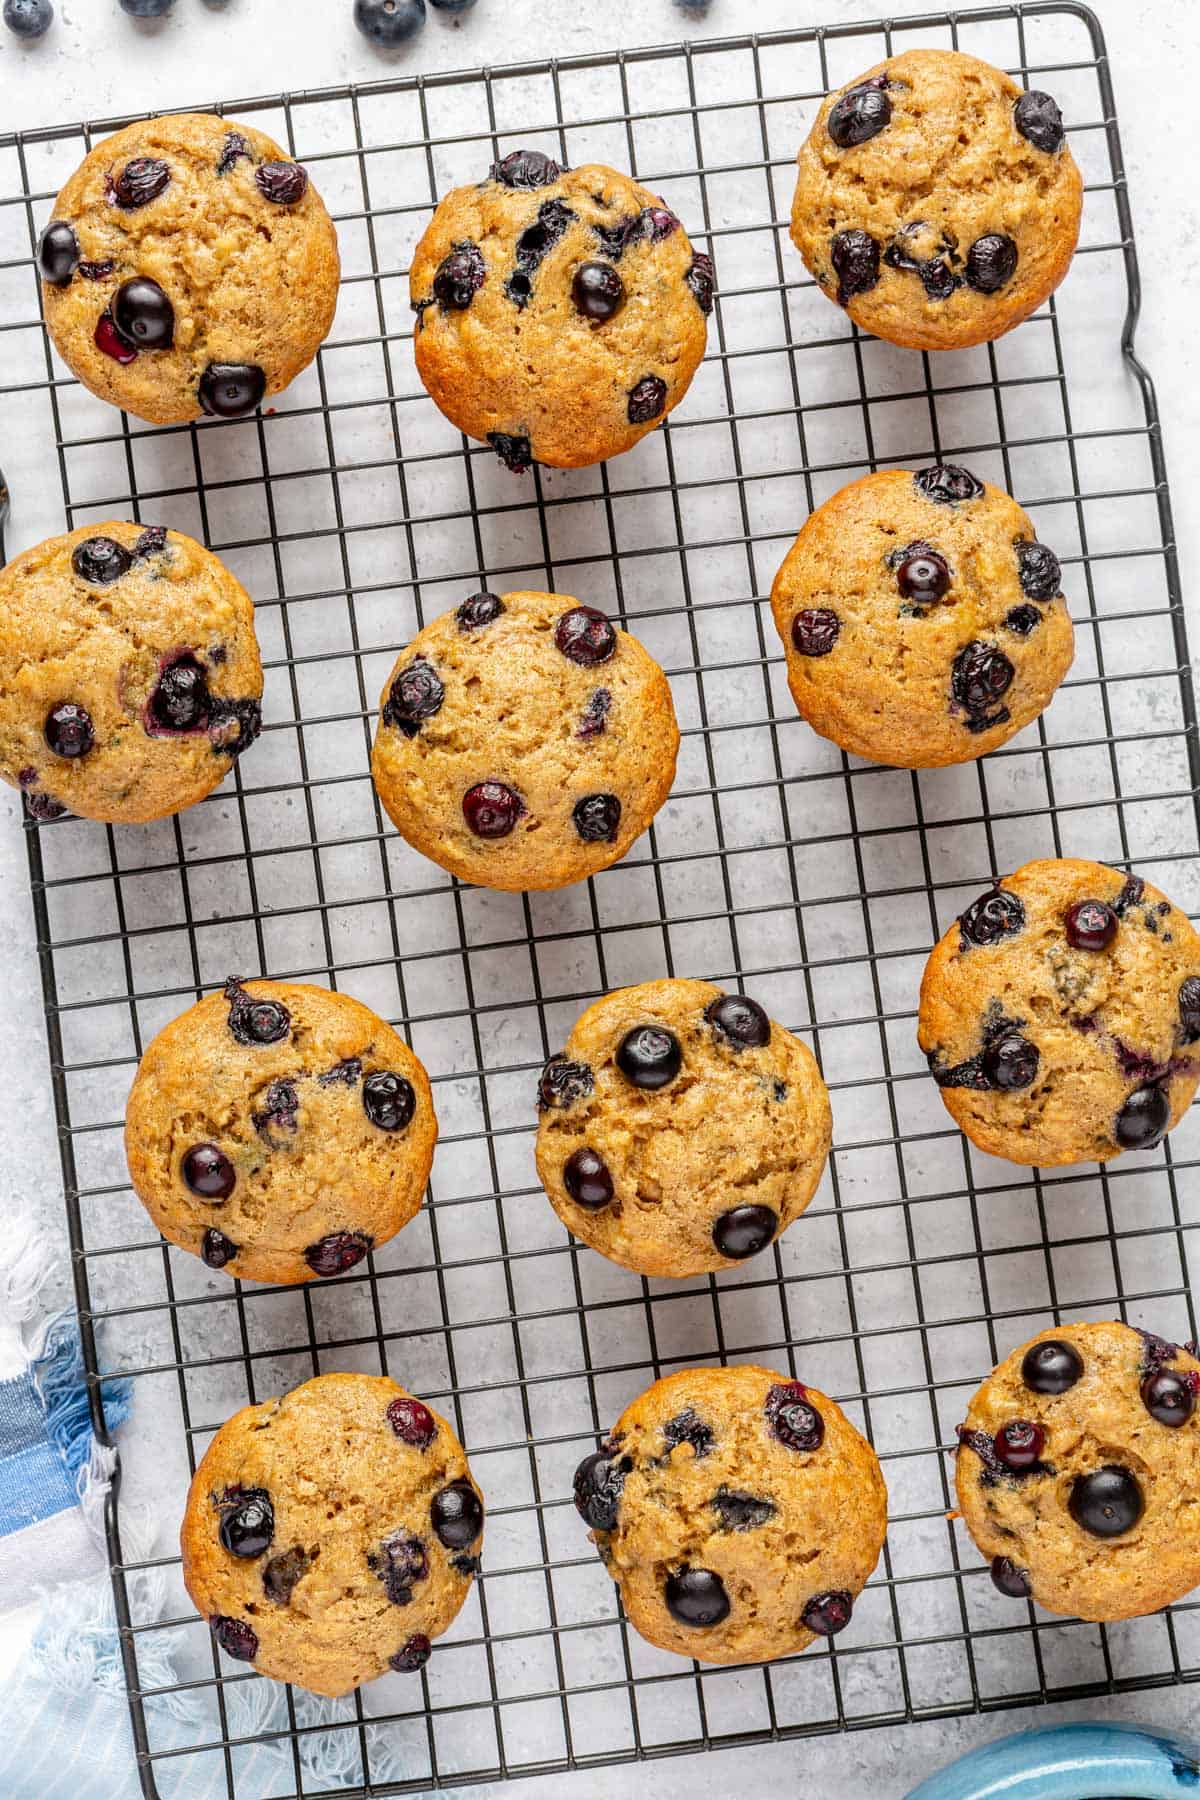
946 484
400 1562
1107 1502
793 1418
1039 569
99 560
233 150
389 22
340 1251
415 695
595 715
110 342
855 259
740 1021
143 314
647 399
1038 119
563 1082
68 730
815 630
827 1614
1011 1063
231 390
140 181
526 169
924 576
216 1249
147 9
599 1480
701 279
597 291
282 183
649 1056
179 700
152 542
58 253
1023 620
1009 1578
991 263
491 809
452 6
253 1020
862 112
980 678
235 1636
516 453
745 1230
457 1515
995 915
415 1652
1142 1121
459 277
1091 925
585 636
1189 1009
282 1574
1019 1445
412 1423
478 611
28 18
389 1100
696 1597
587 1179
248 1525
1169 1397
597 818
208 1172
741 1512
1051 1367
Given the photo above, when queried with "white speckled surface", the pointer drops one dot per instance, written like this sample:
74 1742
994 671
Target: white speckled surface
97 63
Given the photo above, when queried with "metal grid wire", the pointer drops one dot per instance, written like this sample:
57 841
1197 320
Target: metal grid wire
353 513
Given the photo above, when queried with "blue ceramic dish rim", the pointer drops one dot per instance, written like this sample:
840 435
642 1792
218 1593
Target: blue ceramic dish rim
1086 1761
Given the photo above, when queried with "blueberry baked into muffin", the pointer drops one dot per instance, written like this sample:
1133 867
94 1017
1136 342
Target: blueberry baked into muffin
1061 1015
1078 1471
188 267
937 201
524 741
330 1535
739 1513
923 622
561 313
129 673
279 1131
681 1130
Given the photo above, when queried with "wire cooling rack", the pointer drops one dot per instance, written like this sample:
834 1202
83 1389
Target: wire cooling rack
353 512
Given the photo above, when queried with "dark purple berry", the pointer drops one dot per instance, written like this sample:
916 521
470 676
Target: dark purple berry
946 484
389 1100
139 182
1009 1578
649 1056
792 1417
526 169
815 630
147 9
58 253
282 1574
277 1118
97 271
235 1637
491 809
658 222
143 314
478 611
1170 1397
991 263
389 22
216 1249
253 1020
347 1073
860 113
248 1524
111 342
599 1480
995 915
587 1180
563 1082
701 279
1023 620
1189 1009
741 1512
179 700
340 1251
68 730
827 1614
283 183
400 1562
534 245
855 259
1019 1445
412 1423
1051 1367
457 1515
687 1427
923 577
1039 120
1011 1063
647 399
585 636
28 18
231 390
980 678
740 1021
415 695
152 542
696 1597
597 818
1107 1502
99 560
597 291
234 725
208 1172
1091 925
41 807
459 277
1132 890
1142 1121
595 715
744 1230
516 453
412 1655
1039 569
233 150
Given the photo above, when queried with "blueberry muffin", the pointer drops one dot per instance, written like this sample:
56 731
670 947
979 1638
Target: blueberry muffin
129 673
739 1513
561 313
937 201
923 622
681 1130
330 1535
1060 1015
188 267
279 1131
524 741
1078 1471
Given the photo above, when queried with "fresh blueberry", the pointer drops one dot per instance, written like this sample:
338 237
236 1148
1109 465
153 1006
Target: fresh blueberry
1019 1445
457 1514
597 291
415 1652
649 1056
111 342
599 1480
815 630
399 1562
1010 1578
1091 925
744 1230
143 314
179 699
1142 1121
389 22
99 560
58 253
1169 1397
28 18
1107 1502
741 1512
452 6
283 183
412 1423
526 169
991 263
415 695
587 1179
478 611
491 809
827 1614
597 818
459 277
855 259
701 279
1023 620
793 1419
595 715
516 453
141 180
1039 120
282 1574
253 1020
68 730
563 1082
235 1636
389 1100
216 1249
1011 1063
585 636
147 9
1189 1009
946 484
862 112
924 576
740 1021
231 390
696 1597
233 150
995 915
980 678
247 1522
208 1172
340 1251
1039 569
647 399
1051 1367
